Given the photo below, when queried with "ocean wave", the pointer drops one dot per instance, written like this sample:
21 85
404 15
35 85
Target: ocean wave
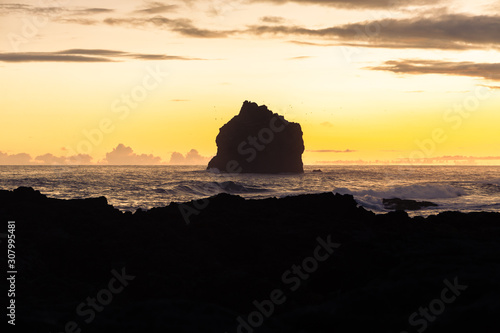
491 185
494 181
200 188
415 191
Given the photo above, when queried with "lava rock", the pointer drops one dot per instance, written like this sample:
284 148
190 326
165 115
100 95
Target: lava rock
338 266
406 204
258 141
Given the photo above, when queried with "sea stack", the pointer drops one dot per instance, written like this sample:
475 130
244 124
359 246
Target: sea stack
258 141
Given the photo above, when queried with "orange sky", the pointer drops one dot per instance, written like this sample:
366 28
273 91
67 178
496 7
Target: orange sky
408 81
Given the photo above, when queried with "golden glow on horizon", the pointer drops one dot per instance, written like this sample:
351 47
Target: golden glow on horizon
343 107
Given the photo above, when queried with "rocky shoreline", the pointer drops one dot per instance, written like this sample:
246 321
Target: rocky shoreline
309 263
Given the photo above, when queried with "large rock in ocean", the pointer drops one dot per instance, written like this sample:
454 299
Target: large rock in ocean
258 141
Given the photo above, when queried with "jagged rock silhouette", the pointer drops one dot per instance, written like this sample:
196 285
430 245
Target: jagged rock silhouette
258 141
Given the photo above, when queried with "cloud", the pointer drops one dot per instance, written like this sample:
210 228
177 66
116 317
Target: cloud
457 159
156 8
453 160
14 159
449 31
298 42
50 159
461 157
191 158
47 56
348 162
24 9
300 58
11 8
78 20
326 124
272 19
123 155
91 11
436 29
356 4
332 151
491 87
100 52
176 158
182 26
46 159
85 55
489 71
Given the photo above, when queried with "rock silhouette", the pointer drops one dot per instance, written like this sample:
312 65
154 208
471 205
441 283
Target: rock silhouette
406 204
203 276
258 141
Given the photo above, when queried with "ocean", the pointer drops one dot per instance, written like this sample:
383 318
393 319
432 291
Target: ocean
457 188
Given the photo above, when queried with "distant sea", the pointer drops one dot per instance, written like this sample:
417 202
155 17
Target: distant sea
457 188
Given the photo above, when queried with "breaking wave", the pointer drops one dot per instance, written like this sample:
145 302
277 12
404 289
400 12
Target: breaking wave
211 188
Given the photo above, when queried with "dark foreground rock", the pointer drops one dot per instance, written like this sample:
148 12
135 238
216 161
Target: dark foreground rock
258 141
406 204
311 263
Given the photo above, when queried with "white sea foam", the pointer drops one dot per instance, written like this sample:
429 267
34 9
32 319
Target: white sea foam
132 187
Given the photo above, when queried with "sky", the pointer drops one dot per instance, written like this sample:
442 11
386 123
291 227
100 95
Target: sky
144 82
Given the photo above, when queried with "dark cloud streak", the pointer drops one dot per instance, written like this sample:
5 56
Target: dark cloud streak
298 42
48 57
489 71
456 32
182 26
356 4
78 20
156 8
85 55
272 19
12 8
435 30
91 11
331 151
